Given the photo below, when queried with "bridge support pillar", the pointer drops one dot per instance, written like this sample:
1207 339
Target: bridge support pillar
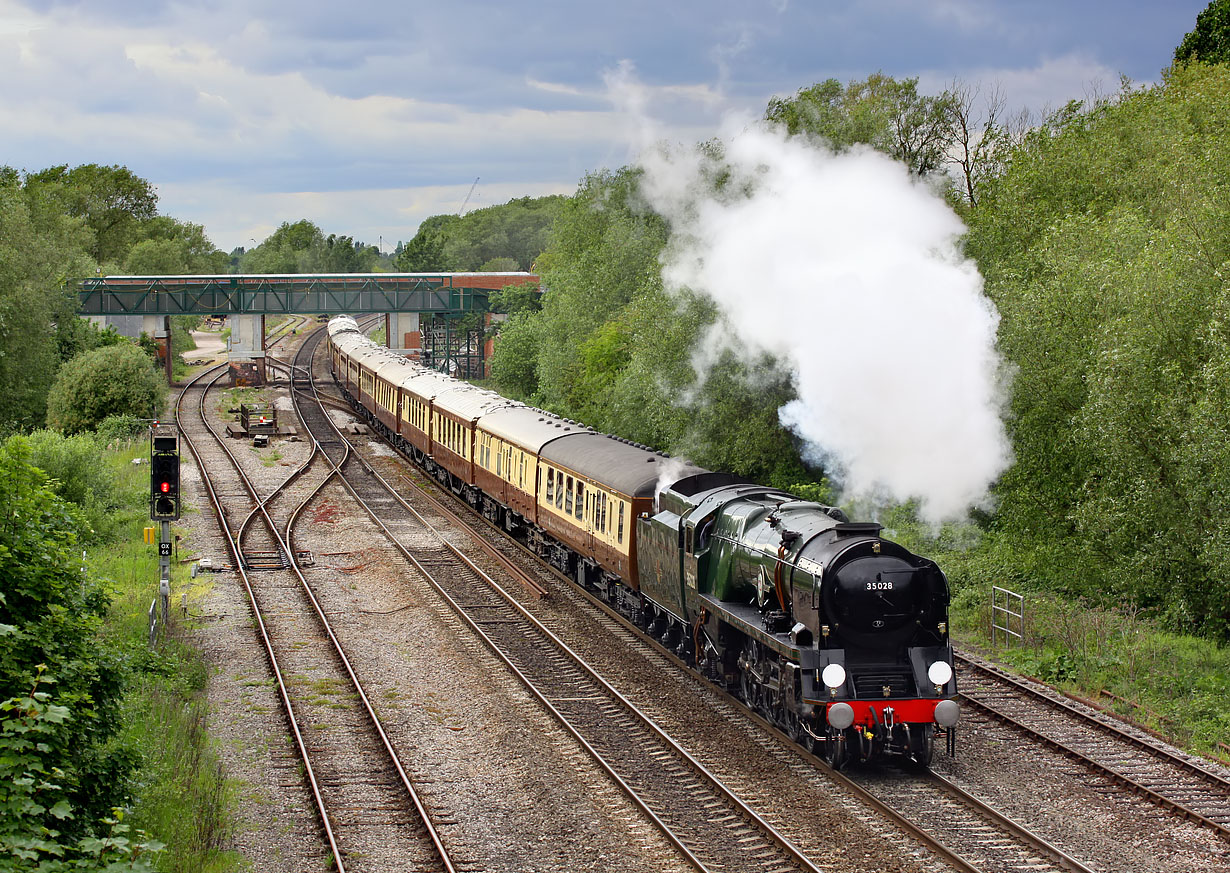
158 328
247 350
403 334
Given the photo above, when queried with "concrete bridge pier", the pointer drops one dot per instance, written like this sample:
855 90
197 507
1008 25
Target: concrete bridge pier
158 328
403 334
247 350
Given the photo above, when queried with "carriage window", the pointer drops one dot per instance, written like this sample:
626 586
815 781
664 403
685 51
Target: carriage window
559 488
580 498
497 462
550 486
621 521
568 497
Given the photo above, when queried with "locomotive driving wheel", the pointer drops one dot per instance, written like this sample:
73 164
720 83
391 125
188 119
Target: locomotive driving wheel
749 689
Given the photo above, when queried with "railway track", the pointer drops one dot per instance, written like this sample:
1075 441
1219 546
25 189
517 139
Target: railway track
371 815
1130 758
965 832
709 825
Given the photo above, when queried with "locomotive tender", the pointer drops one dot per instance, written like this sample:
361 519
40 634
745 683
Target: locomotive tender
831 632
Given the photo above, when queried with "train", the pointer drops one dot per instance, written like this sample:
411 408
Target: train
828 630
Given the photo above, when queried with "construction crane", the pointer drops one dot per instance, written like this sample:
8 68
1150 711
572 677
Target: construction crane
462 210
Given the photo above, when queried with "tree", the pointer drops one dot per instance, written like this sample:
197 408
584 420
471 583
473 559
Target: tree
293 248
512 299
40 248
113 380
425 252
978 143
1103 244
519 230
499 265
879 111
1210 41
514 361
343 255
113 201
170 247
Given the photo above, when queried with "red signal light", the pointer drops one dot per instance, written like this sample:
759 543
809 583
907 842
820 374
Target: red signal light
166 487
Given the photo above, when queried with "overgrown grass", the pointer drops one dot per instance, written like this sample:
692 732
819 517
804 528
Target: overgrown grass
1177 685
182 796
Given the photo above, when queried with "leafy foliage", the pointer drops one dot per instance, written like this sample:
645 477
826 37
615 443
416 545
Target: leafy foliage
112 380
58 225
49 617
507 237
40 247
1210 40
1105 245
113 202
74 468
879 111
425 252
171 247
302 247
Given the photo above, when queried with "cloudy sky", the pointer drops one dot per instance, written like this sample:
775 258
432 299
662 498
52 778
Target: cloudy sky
367 116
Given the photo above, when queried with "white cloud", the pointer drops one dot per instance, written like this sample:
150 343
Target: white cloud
257 97
1047 85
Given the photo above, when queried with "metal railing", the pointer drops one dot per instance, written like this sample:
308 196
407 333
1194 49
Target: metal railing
1007 610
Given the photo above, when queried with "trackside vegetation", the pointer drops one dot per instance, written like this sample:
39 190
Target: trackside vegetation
104 759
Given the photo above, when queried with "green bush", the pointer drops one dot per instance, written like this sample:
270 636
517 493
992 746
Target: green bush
113 380
75 468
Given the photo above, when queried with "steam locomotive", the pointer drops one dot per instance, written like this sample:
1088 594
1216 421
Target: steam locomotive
828 630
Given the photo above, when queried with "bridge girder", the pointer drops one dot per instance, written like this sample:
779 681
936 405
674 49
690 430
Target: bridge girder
267 294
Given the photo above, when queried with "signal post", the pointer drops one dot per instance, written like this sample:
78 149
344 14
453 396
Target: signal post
164 502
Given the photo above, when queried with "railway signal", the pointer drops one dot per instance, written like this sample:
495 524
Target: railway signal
164 474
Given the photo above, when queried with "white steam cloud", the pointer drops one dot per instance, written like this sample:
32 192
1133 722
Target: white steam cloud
849 272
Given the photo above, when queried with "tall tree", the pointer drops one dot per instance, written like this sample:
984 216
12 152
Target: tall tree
113 201
1210 40
169 247
879 111
425 252
40 248
1104 246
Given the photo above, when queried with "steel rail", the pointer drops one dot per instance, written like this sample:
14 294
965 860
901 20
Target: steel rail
1054 853
1109 730
262 509
232 544
416 799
